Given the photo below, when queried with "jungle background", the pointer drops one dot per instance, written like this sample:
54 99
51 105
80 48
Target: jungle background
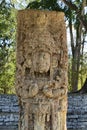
76 24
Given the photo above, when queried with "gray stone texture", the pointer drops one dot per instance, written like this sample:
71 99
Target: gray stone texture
77 112
76 116
9 112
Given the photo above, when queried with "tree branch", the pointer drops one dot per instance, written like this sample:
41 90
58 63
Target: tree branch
70 5
75 8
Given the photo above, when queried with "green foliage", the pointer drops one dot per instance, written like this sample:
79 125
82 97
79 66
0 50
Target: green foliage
7 74
82 70
45 4
7 42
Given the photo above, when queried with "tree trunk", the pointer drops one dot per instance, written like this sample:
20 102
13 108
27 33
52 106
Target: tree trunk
76 48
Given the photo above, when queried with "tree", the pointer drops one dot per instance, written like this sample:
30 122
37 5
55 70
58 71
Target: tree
77 10
7 36
77 42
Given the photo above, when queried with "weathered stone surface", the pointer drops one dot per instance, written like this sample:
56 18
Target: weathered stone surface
41 79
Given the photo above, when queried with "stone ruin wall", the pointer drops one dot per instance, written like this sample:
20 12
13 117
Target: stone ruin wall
76 114
41 78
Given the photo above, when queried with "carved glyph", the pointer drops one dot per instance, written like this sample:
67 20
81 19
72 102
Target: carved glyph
41 78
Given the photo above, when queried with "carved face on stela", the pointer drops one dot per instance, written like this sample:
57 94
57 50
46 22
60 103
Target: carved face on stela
41 62
44 61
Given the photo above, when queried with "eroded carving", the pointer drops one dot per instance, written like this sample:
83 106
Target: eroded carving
42 70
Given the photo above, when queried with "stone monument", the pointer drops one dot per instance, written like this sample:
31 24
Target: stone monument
41 78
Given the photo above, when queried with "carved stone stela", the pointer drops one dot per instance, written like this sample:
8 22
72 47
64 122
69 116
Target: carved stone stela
41 78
